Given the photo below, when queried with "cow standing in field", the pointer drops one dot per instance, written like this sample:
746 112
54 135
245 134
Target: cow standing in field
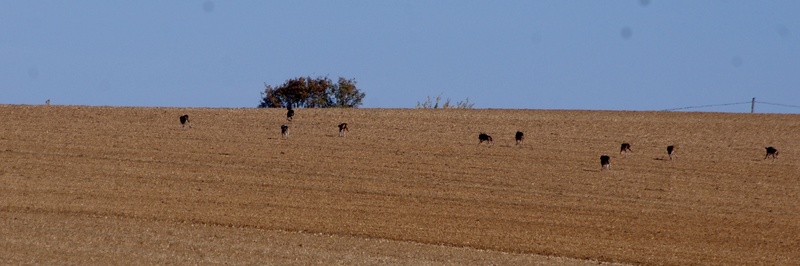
671 152
343 130
520 137
185 120
624 149
289 113
284 131
483 137
771 152
605 163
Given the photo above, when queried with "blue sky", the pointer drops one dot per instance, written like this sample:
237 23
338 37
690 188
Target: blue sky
603 55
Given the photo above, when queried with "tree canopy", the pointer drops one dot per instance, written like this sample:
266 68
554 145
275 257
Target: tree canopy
307 92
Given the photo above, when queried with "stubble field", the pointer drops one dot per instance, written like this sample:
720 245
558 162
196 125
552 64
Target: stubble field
119 185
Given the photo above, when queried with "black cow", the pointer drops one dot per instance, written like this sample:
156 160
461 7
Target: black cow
671 152
289 113
483 137
520 137
625 148
343 130
284 131
773 152
605 163
185 120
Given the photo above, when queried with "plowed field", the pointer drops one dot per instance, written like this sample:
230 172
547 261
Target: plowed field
119 185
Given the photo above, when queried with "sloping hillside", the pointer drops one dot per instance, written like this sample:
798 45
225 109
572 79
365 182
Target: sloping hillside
89 185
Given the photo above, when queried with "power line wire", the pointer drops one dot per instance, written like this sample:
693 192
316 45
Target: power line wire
705 106
727 104
779 104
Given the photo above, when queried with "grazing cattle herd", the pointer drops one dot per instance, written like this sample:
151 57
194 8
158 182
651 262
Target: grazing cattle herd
605 160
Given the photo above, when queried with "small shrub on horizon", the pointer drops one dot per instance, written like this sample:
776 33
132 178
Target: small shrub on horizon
434 104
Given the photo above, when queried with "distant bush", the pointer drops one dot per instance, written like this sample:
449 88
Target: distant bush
434 104
307 92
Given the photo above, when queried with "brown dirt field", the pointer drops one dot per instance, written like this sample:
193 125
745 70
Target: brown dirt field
118 185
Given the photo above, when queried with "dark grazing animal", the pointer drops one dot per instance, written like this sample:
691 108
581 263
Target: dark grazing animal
625 148
289 113
605 163
343 130
671 152
185 120
284 131
771 152
520 137
483 137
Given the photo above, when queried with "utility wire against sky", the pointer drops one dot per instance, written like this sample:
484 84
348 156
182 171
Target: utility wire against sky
780 104
728 104
704 106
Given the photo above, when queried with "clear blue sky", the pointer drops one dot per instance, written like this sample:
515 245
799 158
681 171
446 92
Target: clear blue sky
606 55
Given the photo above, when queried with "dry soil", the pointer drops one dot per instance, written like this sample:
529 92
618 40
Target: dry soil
119 185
